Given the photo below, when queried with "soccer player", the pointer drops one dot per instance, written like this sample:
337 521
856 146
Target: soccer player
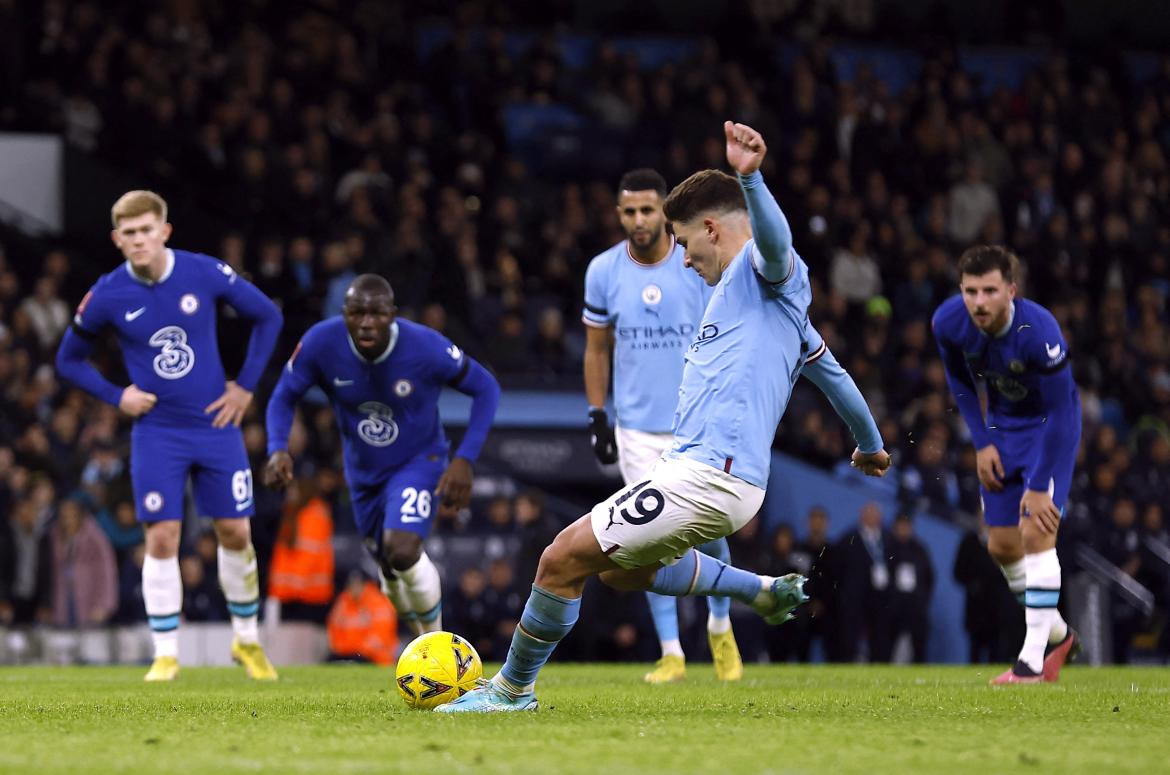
162 305
752 344
1026 447
643 303
383 377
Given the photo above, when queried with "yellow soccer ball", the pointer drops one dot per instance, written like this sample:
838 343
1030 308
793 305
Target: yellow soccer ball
435 668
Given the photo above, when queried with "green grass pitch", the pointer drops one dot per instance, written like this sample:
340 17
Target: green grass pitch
593 718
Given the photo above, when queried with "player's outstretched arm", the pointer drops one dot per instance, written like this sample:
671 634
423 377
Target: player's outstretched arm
830 377
770 229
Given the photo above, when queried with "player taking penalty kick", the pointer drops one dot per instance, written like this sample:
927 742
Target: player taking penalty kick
643 303
1026 447
162 305
751 346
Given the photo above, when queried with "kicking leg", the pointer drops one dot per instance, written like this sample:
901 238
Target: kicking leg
549 615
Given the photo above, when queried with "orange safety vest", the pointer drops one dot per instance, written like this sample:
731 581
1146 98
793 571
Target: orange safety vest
303 572
366 627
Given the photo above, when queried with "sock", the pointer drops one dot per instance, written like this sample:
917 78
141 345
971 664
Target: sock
1040 599
424 593
395 590
547 618
1016 579
241 586
717 625
719 616
699 574
162 591
664 612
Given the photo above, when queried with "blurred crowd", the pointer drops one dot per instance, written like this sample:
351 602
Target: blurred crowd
326 142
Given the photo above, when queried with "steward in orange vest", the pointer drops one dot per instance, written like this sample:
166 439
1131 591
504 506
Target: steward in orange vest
362 623
302 561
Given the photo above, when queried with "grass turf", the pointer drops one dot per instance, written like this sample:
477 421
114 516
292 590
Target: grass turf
593 718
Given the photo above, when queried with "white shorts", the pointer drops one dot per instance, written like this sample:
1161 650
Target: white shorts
638 451
681 503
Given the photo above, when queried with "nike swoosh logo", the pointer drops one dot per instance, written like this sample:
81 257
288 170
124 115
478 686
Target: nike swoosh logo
1053 350
133 315
339 382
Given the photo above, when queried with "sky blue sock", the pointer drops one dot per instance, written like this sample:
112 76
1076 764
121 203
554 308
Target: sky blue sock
698 574
718 606
547 618
664 611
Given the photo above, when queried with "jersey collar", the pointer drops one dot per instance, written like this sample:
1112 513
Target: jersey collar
170 267
636 262
385 354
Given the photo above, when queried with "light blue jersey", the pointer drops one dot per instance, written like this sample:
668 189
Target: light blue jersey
654 311
749 351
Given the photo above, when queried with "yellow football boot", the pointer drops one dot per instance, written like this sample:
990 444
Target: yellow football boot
254 660
163 669
725 656
667 670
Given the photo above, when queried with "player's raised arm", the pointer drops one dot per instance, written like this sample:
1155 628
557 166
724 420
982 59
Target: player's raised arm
823 370
773 235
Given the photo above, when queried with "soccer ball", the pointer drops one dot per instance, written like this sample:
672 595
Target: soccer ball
435 668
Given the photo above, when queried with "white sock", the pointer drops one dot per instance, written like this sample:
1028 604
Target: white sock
1040 599
764 596
424 592
162 591
672 648
717 625
395 590
241 586
1016 578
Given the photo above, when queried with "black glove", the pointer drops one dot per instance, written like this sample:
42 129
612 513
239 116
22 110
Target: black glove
601 437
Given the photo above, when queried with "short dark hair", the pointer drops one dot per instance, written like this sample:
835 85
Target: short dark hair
372 285
643 179
706 191
982 259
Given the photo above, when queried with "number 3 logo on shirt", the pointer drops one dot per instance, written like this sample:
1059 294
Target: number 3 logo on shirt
177 358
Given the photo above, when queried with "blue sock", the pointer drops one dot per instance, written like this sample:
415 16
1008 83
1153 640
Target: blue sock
719 607
664 612
547 618
698 574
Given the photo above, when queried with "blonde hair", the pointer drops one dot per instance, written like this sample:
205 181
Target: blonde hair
135 203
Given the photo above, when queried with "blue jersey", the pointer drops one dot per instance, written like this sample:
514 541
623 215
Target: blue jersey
1029 386
387 409
654 311
167 333
740 370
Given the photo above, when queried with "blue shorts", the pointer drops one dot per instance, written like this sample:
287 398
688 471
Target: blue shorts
161 459
1019 451
405 501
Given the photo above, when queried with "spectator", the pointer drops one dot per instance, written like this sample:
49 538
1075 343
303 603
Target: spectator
863 594
912 587
362 624
26 569
992 616
85 578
